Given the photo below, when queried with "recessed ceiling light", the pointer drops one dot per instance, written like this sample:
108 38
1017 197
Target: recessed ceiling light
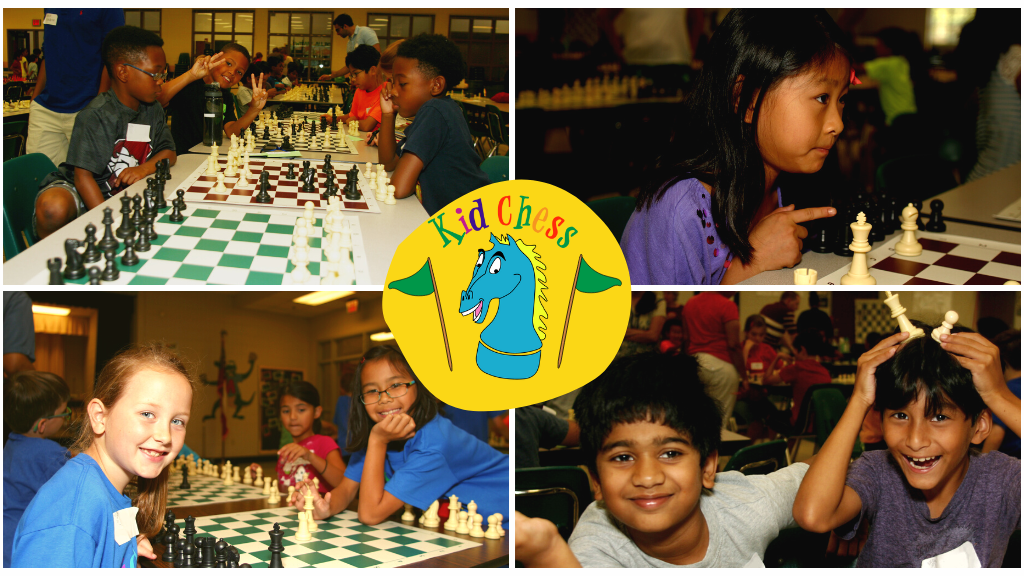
51 310
382 336
318 298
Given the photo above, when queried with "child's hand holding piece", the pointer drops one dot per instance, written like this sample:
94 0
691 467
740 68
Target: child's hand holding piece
981 357
290 452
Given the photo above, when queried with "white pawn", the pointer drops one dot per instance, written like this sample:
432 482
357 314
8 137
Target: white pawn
390 199
275 493
471 508
301 273
259 475
243 179
316 483
477 530
235 475
266 486
302 534
291 493
230 170
408 516
307 211
220 188
228 479
368 171
247 477
498 519
492 533
462 527
946 327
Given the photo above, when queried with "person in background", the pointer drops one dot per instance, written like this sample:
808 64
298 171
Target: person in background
713 327
70 77
673 309
990 327
258 57
805 372
646 319
341 413
537 428
780 319
33 68
673 337
815 319
287 58
1009 352
19 333
891 69
356 35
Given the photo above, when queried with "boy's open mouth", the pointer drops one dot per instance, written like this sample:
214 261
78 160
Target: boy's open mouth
922 464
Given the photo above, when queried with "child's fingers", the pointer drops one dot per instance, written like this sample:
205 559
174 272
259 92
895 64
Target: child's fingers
808 214
801 232
891 341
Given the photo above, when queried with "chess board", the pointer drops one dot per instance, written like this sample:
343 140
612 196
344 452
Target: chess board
208 490
286 193
945 259
225 246
872 315
341 541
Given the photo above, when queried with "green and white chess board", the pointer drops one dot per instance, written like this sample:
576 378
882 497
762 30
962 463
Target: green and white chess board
341 541
209 490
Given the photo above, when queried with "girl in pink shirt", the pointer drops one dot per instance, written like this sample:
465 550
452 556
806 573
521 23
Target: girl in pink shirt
310 455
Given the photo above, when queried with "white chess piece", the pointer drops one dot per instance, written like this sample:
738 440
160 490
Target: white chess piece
453 508
390 199
266 486
430 518
1011 283
900 314
805 276
275 493
477 530
492 533
230 170
308 508
946 327
211 164
220 188
463 526
408 516
301 274
243 181
228 478
302 534
498 519
908 244
291 493
858 274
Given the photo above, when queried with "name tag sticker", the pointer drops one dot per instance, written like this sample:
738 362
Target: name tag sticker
50 20
138 133
125 527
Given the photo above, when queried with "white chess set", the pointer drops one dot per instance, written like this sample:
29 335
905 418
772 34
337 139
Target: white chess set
15 106
593 91
336 265
304 139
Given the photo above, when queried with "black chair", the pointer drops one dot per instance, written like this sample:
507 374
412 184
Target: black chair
763 458
557 493
917 177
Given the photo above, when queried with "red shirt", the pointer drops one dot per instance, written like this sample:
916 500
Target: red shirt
762 353
705 317
366 104
804 374
317 444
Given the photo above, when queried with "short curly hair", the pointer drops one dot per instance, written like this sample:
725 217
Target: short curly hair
127 44
363 58
437 55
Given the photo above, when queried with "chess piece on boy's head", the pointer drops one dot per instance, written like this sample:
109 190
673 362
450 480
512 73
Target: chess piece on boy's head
53 265
908 244
936 223
899 313
946 327
74 269
91 254
130 258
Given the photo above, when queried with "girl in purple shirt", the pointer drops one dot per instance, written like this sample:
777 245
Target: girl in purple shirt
713 213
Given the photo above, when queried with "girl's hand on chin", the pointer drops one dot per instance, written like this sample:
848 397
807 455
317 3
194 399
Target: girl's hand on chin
394 427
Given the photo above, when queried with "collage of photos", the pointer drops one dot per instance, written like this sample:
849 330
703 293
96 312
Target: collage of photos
521 364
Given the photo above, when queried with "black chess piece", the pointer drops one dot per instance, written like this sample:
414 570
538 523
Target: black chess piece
822 243
266 132
844 234
352 191
936 223
312 129
233 557
190 529
263 197
168 542
94 276
53 265
276 536
327 164
125 229
877 232
161 199
189 551
91 254
184 479
198 560
149 196
309 182
208 557
894 213
918 205
176 215
222 558
168 521
291 171
286 145
136 211
181 196
179 554
108 240
74 269
129 258
150 226
143 244
110 272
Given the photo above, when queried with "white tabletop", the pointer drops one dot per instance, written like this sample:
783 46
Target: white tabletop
976 202
481 102
365 153
19 112
382 233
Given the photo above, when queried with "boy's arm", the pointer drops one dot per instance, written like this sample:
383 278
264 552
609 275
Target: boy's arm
824 501
386 145
368 124
202 66
538 544
133 174
87 188
981 357
259 100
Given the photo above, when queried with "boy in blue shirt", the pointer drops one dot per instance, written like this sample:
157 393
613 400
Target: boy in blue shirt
35 407
438 149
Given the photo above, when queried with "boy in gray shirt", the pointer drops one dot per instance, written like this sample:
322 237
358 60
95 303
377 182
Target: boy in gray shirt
650 434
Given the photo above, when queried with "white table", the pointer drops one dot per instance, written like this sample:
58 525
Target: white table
977 201
382 233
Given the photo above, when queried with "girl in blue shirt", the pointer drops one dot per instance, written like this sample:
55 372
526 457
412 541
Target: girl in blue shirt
403 453
135 427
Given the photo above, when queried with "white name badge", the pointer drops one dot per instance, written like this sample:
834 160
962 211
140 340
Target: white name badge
964 556
125 527
138 133
50 20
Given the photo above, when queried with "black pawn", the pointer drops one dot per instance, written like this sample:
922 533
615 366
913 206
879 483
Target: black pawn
287 144
94 276
291 171
844 235
110 272
184 469
181 196
150 227
276 536
179 554
108 240
53 265
149 191
168 541
129 258
143 244
877 233
189 551
266 132
263 197
91 254
822 243
327 163
74 269
125 229
221 549
176 215
936 223
198 559
137 211
918 205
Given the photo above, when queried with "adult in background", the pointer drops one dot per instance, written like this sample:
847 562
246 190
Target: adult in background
357 36
780 320
713 327
70 77
815 319
19 333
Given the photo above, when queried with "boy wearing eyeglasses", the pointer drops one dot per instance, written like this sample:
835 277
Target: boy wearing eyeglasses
117 140
35 408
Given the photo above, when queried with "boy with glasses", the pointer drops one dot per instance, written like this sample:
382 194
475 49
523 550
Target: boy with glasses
118 139
35 407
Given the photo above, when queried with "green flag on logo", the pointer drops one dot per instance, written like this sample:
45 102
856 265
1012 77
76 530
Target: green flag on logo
419 284
591 281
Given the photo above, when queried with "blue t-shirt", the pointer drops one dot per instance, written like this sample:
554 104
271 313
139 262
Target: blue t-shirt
28 464
341 410
440 139
1011 442
441 460
72 53
473 422
70 522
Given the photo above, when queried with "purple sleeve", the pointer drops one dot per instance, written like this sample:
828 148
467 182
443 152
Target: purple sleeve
662 245
863 477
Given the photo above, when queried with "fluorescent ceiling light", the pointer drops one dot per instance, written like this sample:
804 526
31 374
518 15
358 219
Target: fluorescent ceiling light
51 310
382 336
318 298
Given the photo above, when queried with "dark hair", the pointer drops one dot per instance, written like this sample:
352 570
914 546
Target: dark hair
813 299
647 303
812 342
872 340
753 321
788 295
668 325
32 395
921 364
990 327
362 58
423 410
648 387
127 44
234 47
343 20
273 61
718 146
303 391
294 67
437 55
1009 348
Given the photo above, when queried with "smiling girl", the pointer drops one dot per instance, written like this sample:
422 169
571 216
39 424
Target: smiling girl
316 455
135 427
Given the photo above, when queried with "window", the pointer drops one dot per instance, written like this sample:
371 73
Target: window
145 19
306 34
484 45
944 25
212 30
391 28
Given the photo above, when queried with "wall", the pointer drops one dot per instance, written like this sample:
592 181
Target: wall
192 321
20 19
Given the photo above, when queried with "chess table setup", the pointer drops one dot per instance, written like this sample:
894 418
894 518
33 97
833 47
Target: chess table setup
304 132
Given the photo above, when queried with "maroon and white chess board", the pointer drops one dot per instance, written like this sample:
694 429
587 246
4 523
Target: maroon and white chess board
945 259
285 192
